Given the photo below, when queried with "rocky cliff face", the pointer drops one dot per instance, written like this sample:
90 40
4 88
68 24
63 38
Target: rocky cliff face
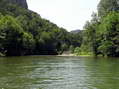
21 3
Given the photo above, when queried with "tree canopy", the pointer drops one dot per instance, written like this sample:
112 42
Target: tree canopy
24 32
101 34
105 6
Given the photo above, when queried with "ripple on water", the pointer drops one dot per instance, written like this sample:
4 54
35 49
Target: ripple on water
53 72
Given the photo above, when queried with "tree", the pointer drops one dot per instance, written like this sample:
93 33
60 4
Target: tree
109 31
25 32
14 40
91 35
106 6
12 34
28 43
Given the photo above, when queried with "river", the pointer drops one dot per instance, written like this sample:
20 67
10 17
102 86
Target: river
52 72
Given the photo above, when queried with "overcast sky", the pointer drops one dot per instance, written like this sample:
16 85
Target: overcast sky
69 14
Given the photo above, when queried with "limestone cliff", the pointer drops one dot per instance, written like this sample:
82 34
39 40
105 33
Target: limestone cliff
22 3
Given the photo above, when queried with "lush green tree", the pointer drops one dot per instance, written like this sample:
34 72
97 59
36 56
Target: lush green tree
101 36
12 34
109 32
91 34
13 39
77 51
105 6
76 39
106 48
31 34
72 48
28 43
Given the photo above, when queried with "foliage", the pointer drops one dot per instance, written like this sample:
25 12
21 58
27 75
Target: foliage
13 38
24 32
72 48
109 32
106 6
102 32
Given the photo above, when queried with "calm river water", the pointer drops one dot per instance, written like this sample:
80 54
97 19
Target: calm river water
51 72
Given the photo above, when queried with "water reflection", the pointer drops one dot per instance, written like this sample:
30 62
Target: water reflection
51 72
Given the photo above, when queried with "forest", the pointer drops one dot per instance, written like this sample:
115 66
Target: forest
24 32
101 33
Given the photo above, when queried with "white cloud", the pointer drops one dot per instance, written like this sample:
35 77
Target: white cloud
70 14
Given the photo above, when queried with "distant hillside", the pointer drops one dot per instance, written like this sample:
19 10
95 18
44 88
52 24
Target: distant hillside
76 31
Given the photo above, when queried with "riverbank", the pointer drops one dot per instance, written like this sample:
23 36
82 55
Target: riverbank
71 54
66 55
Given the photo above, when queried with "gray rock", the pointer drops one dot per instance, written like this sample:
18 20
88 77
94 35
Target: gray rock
22 3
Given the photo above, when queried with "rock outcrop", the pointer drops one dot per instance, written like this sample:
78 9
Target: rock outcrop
22 3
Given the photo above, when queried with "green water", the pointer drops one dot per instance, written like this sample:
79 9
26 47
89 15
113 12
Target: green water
50 72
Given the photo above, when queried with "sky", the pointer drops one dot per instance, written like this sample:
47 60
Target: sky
69 14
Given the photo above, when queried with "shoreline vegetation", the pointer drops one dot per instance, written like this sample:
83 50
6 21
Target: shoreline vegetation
69 53
65 55
24 32
73 55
